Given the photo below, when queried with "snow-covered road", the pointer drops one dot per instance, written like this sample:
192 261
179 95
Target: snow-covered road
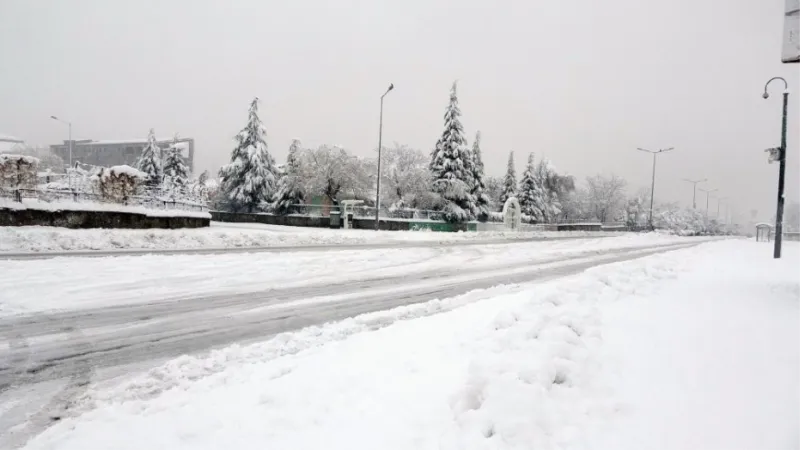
72 320
694 348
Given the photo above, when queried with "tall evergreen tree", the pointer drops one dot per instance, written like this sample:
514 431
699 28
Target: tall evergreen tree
176 174
451 166
290 187
478 181
509 182
150 160
250 178
530 195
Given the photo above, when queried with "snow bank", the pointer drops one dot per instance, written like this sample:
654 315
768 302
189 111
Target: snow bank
522 370
713 362
32 203
39 285
41 239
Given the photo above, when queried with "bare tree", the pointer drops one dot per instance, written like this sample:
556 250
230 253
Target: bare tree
405 175
605 196
332 172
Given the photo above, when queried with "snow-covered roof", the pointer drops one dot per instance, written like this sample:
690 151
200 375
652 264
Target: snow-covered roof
127 141
763 224
12 139
9 147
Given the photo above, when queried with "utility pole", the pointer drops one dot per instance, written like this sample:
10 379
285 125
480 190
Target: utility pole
720 200
380 137
708 194
653 181
781 154
694 190
69 126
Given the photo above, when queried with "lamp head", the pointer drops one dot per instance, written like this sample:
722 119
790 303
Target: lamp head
765 95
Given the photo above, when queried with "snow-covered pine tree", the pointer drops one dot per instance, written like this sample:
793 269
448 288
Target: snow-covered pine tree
290 186
450 166
176 174
478 182
249 179
509 182
150 161
530 195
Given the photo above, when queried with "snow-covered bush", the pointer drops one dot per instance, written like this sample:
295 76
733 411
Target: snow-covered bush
117 184
18 171
685 221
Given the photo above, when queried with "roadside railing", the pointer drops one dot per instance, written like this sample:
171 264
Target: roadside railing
147 200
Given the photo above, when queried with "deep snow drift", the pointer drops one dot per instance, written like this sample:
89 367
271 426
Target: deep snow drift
694 348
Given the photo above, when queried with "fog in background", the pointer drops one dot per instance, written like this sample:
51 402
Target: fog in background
581 82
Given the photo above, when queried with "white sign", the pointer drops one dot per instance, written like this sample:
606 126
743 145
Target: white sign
791 32
774 154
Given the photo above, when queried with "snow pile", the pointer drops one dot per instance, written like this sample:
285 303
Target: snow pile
525 370
41 239
39 285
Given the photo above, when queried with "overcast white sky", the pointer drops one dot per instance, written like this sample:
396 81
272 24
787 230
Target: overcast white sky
581 82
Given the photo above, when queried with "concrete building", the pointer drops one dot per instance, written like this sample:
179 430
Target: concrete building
117 152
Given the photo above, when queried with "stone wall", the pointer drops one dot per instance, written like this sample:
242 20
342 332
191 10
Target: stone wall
325 222
94 219
269 219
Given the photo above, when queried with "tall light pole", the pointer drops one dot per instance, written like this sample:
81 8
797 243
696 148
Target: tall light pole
694 190
782 164
720 200
653 182
380 143
708 194
69 126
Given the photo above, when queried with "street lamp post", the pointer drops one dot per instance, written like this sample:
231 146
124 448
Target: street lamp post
694 190
708 194
69 126
380 137
782 165
653 181
720 200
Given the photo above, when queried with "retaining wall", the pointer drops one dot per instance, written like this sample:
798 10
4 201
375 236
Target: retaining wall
325 222
94 219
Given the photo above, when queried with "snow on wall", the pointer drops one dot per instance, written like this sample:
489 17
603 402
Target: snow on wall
32 203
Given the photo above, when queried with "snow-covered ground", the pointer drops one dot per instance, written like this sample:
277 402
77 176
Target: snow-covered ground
226 235
72 283
689 349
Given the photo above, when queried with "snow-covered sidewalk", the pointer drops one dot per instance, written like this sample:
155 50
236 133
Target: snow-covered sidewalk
689 349
224 235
